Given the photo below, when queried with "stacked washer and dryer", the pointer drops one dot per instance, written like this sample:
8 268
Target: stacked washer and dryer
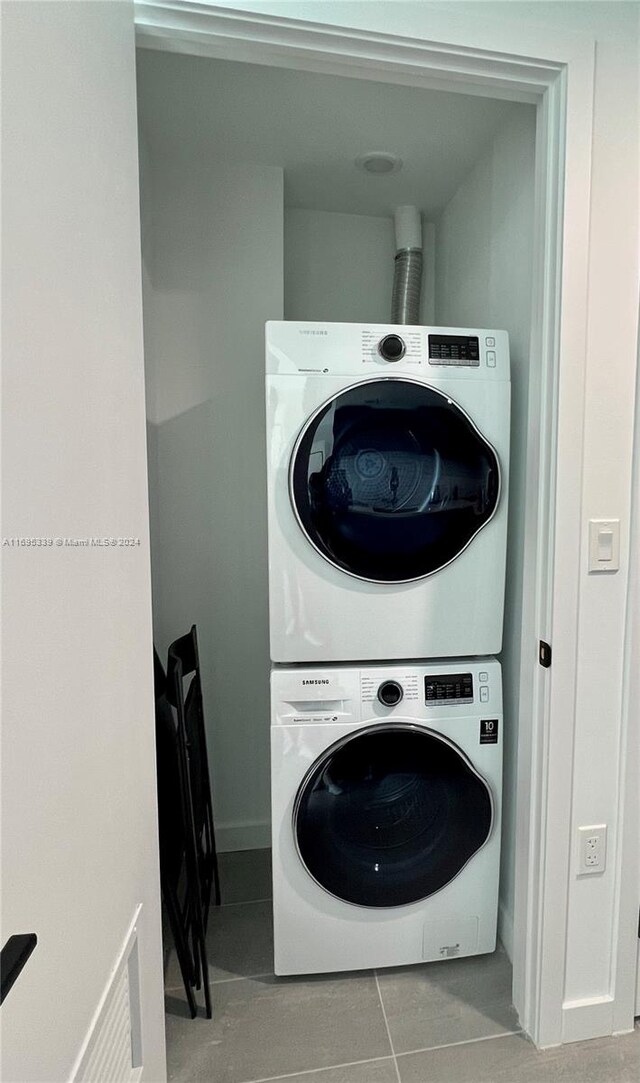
388 451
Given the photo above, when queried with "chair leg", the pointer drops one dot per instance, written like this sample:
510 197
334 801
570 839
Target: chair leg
182 951
197 969
205 979
216 872
200 948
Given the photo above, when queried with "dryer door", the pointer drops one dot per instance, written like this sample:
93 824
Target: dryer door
390 480
390 815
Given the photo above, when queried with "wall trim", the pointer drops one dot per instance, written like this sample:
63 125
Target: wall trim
627 969
202 29
588 1018
505 929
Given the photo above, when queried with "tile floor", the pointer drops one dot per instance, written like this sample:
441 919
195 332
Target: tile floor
447 1022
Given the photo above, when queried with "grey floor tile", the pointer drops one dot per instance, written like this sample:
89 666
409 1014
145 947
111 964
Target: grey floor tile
273 1027
245 875
515 1060
455 1000
372 1071
239 944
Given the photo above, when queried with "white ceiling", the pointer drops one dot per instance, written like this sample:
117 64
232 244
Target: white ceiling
315 126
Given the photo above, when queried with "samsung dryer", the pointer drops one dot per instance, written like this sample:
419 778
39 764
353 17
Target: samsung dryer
388 458
386 810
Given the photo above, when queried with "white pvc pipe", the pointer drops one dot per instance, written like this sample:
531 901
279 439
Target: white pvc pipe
408 227
407 276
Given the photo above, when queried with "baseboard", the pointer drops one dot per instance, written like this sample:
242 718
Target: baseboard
243 835
588 1018
505 929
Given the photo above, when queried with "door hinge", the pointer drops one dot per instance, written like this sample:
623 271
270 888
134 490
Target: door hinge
544 655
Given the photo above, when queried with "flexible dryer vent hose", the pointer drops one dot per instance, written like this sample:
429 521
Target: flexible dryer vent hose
407 279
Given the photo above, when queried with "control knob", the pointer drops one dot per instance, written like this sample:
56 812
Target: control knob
391 347
390 693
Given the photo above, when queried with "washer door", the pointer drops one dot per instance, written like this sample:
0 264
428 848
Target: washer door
391 480
390 815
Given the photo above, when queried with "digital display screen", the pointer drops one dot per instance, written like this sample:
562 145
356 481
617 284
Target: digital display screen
449 688
454 350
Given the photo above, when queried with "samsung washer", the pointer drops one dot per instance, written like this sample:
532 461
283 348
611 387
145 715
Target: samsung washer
386 811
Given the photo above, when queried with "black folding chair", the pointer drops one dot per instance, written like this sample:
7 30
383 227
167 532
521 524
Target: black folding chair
202 870
183 653
175 839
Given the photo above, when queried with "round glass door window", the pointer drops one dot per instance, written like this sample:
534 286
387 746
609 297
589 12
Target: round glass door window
390 815
391 480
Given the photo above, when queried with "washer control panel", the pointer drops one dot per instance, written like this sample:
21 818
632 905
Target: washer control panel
441 689
448 689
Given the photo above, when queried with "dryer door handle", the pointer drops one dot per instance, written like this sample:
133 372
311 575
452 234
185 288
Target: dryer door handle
492 485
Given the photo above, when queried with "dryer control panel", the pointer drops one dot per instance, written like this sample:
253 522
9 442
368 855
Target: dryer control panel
454 350
448 689
360 350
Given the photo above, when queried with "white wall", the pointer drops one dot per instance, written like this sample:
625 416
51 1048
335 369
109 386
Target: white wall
212 274
79 827
339 267
483 278
213 261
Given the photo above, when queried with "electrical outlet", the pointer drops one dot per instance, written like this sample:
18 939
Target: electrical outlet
592 849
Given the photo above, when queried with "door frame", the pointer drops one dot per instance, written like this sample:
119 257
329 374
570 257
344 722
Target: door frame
556 72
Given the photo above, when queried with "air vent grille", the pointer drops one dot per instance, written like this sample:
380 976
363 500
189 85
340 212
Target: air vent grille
110 1057
112 1049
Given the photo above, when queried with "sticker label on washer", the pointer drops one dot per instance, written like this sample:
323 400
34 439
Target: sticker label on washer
488 731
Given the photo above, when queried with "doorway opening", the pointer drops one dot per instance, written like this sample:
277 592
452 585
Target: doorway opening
241 226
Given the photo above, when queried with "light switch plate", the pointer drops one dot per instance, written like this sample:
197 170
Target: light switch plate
604 545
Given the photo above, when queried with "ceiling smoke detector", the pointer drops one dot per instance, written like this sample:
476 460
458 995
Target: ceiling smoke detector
379 162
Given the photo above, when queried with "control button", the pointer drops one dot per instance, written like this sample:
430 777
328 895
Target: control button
491 359
391 347
490 341
484 695
390 693
483 676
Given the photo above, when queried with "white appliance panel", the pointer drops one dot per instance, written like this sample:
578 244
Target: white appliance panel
318 611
